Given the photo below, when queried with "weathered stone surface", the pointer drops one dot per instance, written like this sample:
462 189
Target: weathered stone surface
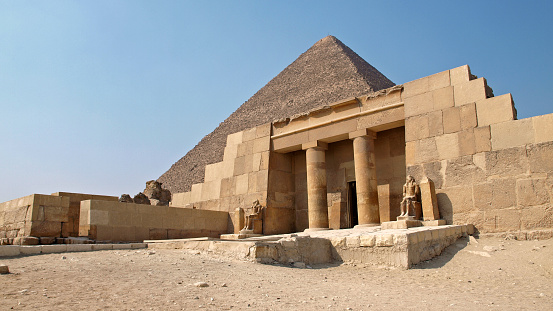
141 198
428 199
532 191
462 171
126 198
454 200
156 192
540 157
536 217
495 194
26 240
507 162
495 110
512 134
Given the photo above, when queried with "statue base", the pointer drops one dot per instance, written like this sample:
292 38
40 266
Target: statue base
243 234
403 222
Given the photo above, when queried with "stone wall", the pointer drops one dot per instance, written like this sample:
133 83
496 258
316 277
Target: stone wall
117 221
237 181
36 215
489 169
71 227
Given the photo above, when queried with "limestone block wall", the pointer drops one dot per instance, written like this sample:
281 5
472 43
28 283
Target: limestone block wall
238 180
71 227
35 215
117 221
489 168
280 214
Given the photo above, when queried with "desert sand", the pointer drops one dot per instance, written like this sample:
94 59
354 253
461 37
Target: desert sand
485 274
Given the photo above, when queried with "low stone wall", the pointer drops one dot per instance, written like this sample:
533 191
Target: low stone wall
36 215
117 221
71 227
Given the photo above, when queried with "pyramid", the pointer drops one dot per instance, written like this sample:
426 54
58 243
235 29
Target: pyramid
328 72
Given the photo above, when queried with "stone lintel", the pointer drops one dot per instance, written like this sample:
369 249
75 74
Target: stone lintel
362 132
315 144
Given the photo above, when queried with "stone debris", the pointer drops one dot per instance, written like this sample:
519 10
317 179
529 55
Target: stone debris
126 198
201 284
4 269
157 195
141 198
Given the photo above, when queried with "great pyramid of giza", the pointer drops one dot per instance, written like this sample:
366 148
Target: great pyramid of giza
328 72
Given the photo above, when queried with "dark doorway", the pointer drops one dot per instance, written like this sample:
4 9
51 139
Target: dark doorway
351 213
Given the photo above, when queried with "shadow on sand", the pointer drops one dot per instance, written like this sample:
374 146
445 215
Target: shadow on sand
447 254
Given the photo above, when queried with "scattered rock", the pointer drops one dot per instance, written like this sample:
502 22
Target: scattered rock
488 248
26 240
157 195
201 284
63 257
472 240
299 264
224 285
141 198
126 198
4 269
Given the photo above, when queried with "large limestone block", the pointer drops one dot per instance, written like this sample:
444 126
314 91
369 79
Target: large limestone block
290 142
502 220
543 128
536 217
495 194
532 191
249 134
448 146
245 148
418 104
459 75
426 84
196 193
230 153
242 185
539 158
234 139
429 200
339 129
512 134
482 139
383 120
443 98
261 144
425 150
263 130
470 92
372 102
211 190
508 162
454 200
451 119
495 110
424 126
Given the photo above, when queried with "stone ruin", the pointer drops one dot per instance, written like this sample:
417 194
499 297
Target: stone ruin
154 194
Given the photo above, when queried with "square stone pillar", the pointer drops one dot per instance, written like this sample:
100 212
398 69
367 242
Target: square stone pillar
317 208
365 177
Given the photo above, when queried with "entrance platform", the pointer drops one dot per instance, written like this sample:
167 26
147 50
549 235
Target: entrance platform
371 245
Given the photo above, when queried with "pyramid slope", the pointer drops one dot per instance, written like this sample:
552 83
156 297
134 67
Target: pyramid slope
328 72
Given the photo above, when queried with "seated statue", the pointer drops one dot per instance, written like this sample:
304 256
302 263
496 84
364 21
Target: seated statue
256 214
411 195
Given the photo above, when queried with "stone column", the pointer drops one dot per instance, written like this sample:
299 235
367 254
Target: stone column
365 177
317 207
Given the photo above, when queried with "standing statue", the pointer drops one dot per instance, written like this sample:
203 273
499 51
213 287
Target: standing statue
411 195
255 215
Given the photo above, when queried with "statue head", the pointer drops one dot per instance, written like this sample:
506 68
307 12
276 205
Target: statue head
409 179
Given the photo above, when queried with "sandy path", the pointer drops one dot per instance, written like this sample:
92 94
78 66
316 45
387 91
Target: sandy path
491 275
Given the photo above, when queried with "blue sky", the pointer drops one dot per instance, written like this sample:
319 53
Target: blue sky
101 96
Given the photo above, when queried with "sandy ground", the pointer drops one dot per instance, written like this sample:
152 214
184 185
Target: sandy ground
493 274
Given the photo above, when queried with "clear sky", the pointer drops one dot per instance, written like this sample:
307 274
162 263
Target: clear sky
101 96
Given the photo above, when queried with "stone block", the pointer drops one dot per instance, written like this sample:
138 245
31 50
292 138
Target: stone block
234 139
418 104
532 191
482 139
261 144
384 240
211 190
196 193
56 213
46 228
443 98
410 150
242 184
459 75
502 220
54 248
507 162
30 250
367 240
454 200
543 128
536 217
383 120
263 130
451 119
230 153
426 150
447 146
26 240
429 200
495 110
468 116
495 194
102 247
249 134
245 148
9 250
512 134
539 157
470 92
158 234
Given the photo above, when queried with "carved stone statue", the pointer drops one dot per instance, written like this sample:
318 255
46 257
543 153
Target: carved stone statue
156 194
411 197
256 214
